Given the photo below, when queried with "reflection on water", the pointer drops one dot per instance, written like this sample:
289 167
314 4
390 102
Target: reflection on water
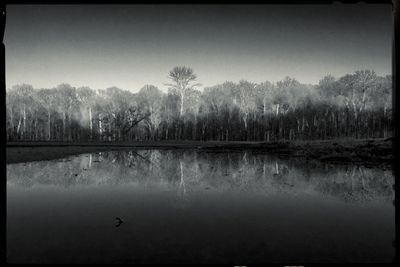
191 206
191 171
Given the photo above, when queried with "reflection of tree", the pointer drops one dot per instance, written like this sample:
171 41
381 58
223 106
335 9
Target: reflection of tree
86 161
182 187
359 184
191 171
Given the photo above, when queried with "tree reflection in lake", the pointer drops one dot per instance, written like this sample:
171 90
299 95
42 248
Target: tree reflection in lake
197 206
189 171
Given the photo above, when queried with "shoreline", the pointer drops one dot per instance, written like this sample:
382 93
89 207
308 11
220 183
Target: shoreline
373 152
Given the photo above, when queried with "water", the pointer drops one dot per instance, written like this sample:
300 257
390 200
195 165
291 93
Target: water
197 207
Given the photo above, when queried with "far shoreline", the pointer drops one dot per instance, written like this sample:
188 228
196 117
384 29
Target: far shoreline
372 152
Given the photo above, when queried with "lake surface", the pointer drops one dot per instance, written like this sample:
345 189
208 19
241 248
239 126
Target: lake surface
194 206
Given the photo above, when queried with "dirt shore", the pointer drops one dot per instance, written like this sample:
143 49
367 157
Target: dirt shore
365 151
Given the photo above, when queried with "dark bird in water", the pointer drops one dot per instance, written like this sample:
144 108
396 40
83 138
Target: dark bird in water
119 221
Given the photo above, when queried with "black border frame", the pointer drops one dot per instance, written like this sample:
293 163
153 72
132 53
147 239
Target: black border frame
395 96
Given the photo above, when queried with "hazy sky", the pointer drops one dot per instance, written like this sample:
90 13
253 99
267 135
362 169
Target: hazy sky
130 46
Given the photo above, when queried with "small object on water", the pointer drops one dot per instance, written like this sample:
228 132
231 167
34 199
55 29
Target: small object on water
76 174
119 221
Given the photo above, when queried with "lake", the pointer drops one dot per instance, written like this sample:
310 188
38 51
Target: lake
196 206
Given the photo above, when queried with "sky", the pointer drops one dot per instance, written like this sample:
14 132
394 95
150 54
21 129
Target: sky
129 46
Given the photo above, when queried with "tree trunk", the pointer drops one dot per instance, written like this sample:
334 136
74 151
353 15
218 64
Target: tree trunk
384 122
35 133
24 122
11 123
49 126
194 133
69 128
264 107
181 111
277 110
19 127
245 125
90 123
63 125
100 127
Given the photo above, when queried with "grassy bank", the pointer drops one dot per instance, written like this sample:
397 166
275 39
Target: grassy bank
365 151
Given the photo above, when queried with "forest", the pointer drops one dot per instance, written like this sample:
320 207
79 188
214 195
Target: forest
357 105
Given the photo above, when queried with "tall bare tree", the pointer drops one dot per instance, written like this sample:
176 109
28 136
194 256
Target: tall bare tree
183 78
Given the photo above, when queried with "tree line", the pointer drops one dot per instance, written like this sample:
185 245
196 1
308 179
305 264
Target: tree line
355 105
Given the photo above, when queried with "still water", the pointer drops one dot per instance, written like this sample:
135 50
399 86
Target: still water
197 207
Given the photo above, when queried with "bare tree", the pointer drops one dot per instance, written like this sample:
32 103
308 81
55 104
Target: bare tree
247 102
150 101
86 97
47 98
182 77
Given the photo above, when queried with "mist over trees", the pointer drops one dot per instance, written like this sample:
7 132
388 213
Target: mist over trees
355 105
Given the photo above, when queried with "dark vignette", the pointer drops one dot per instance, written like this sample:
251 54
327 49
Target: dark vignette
395 96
